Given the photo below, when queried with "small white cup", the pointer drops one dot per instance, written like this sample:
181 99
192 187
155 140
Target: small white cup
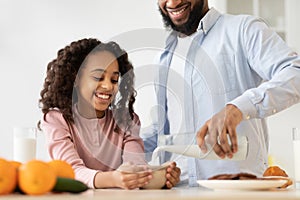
24 147
296 147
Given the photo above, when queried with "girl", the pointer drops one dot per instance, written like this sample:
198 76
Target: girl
89 121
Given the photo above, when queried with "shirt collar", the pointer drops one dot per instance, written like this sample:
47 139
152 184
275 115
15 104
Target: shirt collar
209 20
206 23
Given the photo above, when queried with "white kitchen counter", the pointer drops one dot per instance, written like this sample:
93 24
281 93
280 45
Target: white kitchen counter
173 194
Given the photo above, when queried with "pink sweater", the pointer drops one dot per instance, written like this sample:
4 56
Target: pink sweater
94 145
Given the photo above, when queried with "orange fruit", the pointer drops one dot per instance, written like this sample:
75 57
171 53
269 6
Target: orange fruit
36 177
62 168
16 164
8 177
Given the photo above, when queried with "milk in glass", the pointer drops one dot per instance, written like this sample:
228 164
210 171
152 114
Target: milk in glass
24 145
296 147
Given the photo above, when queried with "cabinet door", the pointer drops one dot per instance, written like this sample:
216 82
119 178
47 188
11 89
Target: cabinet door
241 7
272 11
292 24
220 5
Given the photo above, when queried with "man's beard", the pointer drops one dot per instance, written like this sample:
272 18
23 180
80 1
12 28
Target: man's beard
191 25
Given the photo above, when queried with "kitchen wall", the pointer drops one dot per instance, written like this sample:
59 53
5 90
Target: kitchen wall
32 31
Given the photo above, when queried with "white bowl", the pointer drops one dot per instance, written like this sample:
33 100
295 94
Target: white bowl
158 180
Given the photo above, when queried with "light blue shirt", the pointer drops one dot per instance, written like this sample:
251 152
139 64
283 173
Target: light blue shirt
232 60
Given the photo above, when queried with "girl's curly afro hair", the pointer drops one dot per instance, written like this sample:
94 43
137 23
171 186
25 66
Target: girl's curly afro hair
58 90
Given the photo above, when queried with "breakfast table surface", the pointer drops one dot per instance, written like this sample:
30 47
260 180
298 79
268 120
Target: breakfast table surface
165 194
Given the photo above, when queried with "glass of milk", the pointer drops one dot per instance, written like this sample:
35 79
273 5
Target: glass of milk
24 146
296 147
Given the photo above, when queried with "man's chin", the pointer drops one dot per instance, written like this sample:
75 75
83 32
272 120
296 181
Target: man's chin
191 24
180 26
179 23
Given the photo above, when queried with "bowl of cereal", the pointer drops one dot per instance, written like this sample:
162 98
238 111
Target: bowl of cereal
159 179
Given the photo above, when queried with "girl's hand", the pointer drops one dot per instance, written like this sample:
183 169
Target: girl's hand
132 178
173 175
131 181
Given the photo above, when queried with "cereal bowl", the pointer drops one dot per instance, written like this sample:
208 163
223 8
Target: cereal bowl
159 179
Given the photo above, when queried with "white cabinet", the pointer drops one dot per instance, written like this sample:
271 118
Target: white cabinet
272 11
292 16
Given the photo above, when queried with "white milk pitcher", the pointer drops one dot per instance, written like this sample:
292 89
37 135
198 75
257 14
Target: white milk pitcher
193 150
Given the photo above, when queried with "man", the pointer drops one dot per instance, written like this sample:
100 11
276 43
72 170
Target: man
220 76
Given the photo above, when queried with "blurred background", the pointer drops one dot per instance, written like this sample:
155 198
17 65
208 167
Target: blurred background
32 31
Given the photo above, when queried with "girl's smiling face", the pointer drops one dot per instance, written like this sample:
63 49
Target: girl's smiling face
97 84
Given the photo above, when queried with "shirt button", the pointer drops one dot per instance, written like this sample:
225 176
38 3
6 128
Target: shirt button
248 117
274 110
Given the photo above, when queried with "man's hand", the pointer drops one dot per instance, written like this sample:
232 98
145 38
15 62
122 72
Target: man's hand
218 128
